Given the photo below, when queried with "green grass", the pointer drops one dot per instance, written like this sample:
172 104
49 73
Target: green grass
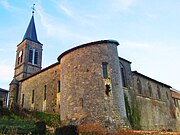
22 126
22 121
52 120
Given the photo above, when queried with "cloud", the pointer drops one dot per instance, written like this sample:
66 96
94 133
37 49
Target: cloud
120 5
137 45
56 29
5 4
66 10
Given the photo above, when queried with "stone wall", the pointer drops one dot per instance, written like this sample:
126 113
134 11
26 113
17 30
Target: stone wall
86 94
44 82
157 112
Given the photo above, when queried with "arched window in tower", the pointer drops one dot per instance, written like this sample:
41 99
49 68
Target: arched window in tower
139 86
20 57
33 56
158 92
123 77
36 57
150 90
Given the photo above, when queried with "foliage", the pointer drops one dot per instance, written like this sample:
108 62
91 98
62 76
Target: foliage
20 126
66 130
133 113
128 110
91 129
96 129
5 114
52 120
9 131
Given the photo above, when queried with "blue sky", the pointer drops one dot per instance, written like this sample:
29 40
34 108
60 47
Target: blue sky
147 30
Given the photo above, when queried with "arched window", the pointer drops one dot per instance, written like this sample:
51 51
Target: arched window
33 56
105 70
167 95
20 57
139 87
150 90
123 77
158 92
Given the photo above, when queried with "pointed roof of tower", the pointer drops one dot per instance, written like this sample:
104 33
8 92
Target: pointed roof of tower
31 31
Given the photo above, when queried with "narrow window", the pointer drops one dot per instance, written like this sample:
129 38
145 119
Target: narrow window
139 87
81 102
45 92
20 56
36 58
21 59
22 100
123 77
175 103
158 92
31 56
104 69
59 86
150 89
32 96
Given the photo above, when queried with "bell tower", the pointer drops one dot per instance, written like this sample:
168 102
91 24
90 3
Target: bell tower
28 61
29 53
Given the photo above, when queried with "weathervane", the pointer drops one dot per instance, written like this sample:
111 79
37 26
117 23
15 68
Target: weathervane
33 9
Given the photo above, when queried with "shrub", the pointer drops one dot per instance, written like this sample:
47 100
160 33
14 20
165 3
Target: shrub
22 126
52 120
91 129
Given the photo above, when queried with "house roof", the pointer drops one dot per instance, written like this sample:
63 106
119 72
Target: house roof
137 73
4 90
124 60
31 31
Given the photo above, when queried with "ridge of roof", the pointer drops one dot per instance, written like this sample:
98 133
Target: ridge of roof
52 65
135 72
4 90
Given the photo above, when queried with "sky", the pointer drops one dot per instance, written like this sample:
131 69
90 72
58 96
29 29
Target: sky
148 32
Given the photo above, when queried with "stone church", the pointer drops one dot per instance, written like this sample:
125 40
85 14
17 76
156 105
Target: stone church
91 83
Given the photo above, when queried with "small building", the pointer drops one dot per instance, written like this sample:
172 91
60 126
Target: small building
4 97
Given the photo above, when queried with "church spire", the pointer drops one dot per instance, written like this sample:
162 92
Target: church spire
31 30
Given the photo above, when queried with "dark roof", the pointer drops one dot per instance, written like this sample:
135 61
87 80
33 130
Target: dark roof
14 81
40 71
88 44
31 31
4 90
124 60
135 72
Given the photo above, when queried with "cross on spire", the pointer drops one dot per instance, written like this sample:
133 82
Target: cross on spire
33 9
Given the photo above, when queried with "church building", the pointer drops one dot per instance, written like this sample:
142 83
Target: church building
91 83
